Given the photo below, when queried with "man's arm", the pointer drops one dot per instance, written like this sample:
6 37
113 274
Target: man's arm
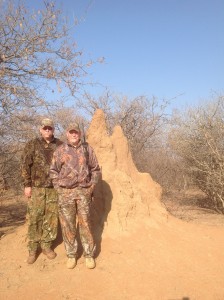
27 161
94 167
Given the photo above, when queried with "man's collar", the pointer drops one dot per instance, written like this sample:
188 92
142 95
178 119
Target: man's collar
75 146
43 140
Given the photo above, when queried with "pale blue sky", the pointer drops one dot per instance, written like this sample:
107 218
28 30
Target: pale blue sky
162 47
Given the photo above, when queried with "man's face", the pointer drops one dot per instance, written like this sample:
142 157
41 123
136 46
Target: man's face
47 132
73 137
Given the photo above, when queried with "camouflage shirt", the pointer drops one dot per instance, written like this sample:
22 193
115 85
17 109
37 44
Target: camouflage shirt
71 168
36 160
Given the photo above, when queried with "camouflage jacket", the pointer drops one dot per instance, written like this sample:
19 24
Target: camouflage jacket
36 160
71 167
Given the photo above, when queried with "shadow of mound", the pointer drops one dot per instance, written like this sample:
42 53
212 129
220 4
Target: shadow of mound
101 207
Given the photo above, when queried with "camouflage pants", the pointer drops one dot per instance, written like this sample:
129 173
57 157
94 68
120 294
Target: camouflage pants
74 202
42 218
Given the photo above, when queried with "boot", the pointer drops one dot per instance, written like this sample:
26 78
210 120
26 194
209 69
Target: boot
32 257
49 253
71 262
90 263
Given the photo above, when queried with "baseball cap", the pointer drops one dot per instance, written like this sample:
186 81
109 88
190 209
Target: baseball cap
47 122
73 126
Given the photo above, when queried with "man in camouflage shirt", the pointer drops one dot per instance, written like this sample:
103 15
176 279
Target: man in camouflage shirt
42 197
75 172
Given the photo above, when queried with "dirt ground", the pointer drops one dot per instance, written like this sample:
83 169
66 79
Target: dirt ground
182 259
148 247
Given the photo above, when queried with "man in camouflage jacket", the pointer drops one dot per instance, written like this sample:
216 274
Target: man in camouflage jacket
38 188
75 172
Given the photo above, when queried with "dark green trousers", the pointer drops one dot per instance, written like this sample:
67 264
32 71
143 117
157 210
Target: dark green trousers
42 218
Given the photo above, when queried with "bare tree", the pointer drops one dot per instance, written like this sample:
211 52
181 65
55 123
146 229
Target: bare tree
38 59
197 137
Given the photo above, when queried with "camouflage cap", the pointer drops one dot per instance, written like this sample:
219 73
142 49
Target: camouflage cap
73 126
47 122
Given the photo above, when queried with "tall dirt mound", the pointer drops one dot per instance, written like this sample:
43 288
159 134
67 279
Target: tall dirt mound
125 197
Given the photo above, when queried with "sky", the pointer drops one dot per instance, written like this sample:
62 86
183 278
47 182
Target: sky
170 49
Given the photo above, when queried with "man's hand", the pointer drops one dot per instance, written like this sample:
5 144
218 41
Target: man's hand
28 191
